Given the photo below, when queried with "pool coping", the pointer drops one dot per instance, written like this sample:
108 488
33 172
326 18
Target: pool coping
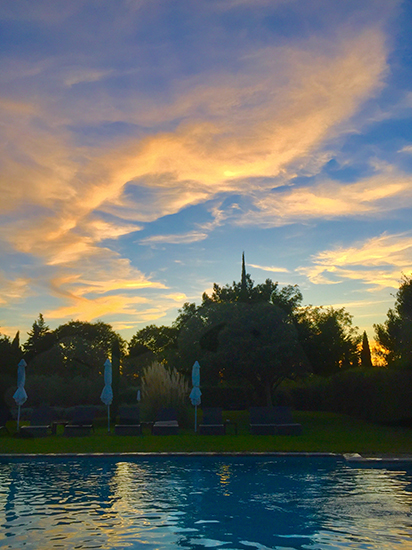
173 453
357 458
350 458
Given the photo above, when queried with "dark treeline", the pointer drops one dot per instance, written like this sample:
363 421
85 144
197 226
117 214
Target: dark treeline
249 339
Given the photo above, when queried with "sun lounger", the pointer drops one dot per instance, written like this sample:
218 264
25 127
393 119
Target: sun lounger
212 423
40 422
129 421
166 423
81 422
273 421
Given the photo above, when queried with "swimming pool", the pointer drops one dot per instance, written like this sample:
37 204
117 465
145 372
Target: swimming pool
200 502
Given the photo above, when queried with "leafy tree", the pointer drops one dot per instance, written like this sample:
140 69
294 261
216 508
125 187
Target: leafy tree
9 358
185 313
153 339
74 348
366 357
395 334
288 298
150 344
85 346
328 339
255 342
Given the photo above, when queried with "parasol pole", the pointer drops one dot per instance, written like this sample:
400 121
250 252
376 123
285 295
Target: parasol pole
18 417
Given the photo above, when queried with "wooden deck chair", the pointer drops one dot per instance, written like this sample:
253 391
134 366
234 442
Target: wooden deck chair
166 423
212 423
273 421
40 422
81 422
129 421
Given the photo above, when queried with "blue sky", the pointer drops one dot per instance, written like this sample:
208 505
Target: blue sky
145 144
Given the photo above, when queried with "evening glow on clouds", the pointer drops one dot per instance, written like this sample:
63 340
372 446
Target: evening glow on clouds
145 144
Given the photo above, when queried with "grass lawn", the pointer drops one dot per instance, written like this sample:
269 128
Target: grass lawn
322 432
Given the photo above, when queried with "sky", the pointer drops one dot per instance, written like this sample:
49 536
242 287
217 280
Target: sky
145 144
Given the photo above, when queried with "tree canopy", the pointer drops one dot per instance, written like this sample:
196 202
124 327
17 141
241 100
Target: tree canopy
288 298
256 342
328 339
395 334
76 347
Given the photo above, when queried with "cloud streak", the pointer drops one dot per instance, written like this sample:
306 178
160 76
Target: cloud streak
378 262
100 143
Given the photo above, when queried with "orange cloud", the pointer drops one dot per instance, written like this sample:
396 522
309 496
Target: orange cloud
230 130
13 290
378 262
371 196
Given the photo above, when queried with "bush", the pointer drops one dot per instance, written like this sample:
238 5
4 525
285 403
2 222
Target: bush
227 397
164 388
378 395
59 391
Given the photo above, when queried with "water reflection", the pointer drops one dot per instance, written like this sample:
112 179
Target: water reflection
198 502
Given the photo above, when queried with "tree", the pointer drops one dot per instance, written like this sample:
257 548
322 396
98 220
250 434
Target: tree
256 342
154 339
15 346
86 346
185 313
366 357
75 348
9 358
328 339
395 334
147 346
115 377
288 298
40 339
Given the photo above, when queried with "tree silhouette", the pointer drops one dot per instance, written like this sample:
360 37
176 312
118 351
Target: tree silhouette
366 357
115 377
395 334
328 339
254 342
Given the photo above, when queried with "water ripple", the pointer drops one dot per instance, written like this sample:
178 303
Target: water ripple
200 502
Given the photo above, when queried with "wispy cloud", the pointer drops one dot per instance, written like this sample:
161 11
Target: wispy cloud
272 269
377 262
191 237
372 196
13 289
107 132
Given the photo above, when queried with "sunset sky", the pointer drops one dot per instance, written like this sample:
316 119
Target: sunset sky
145 144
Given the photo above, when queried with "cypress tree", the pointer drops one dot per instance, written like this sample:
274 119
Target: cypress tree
243 295
115 377
366 357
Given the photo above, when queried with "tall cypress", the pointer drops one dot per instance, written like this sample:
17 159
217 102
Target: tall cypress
366 357
115 377
243 296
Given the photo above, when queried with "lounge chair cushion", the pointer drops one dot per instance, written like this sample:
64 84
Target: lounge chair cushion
212 423
77 430
34 431
128 429
273 421
165 427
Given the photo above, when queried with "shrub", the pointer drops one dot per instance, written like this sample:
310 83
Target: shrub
59 391
227 397
164 388
378 394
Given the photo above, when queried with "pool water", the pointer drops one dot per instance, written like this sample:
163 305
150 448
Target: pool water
203 502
